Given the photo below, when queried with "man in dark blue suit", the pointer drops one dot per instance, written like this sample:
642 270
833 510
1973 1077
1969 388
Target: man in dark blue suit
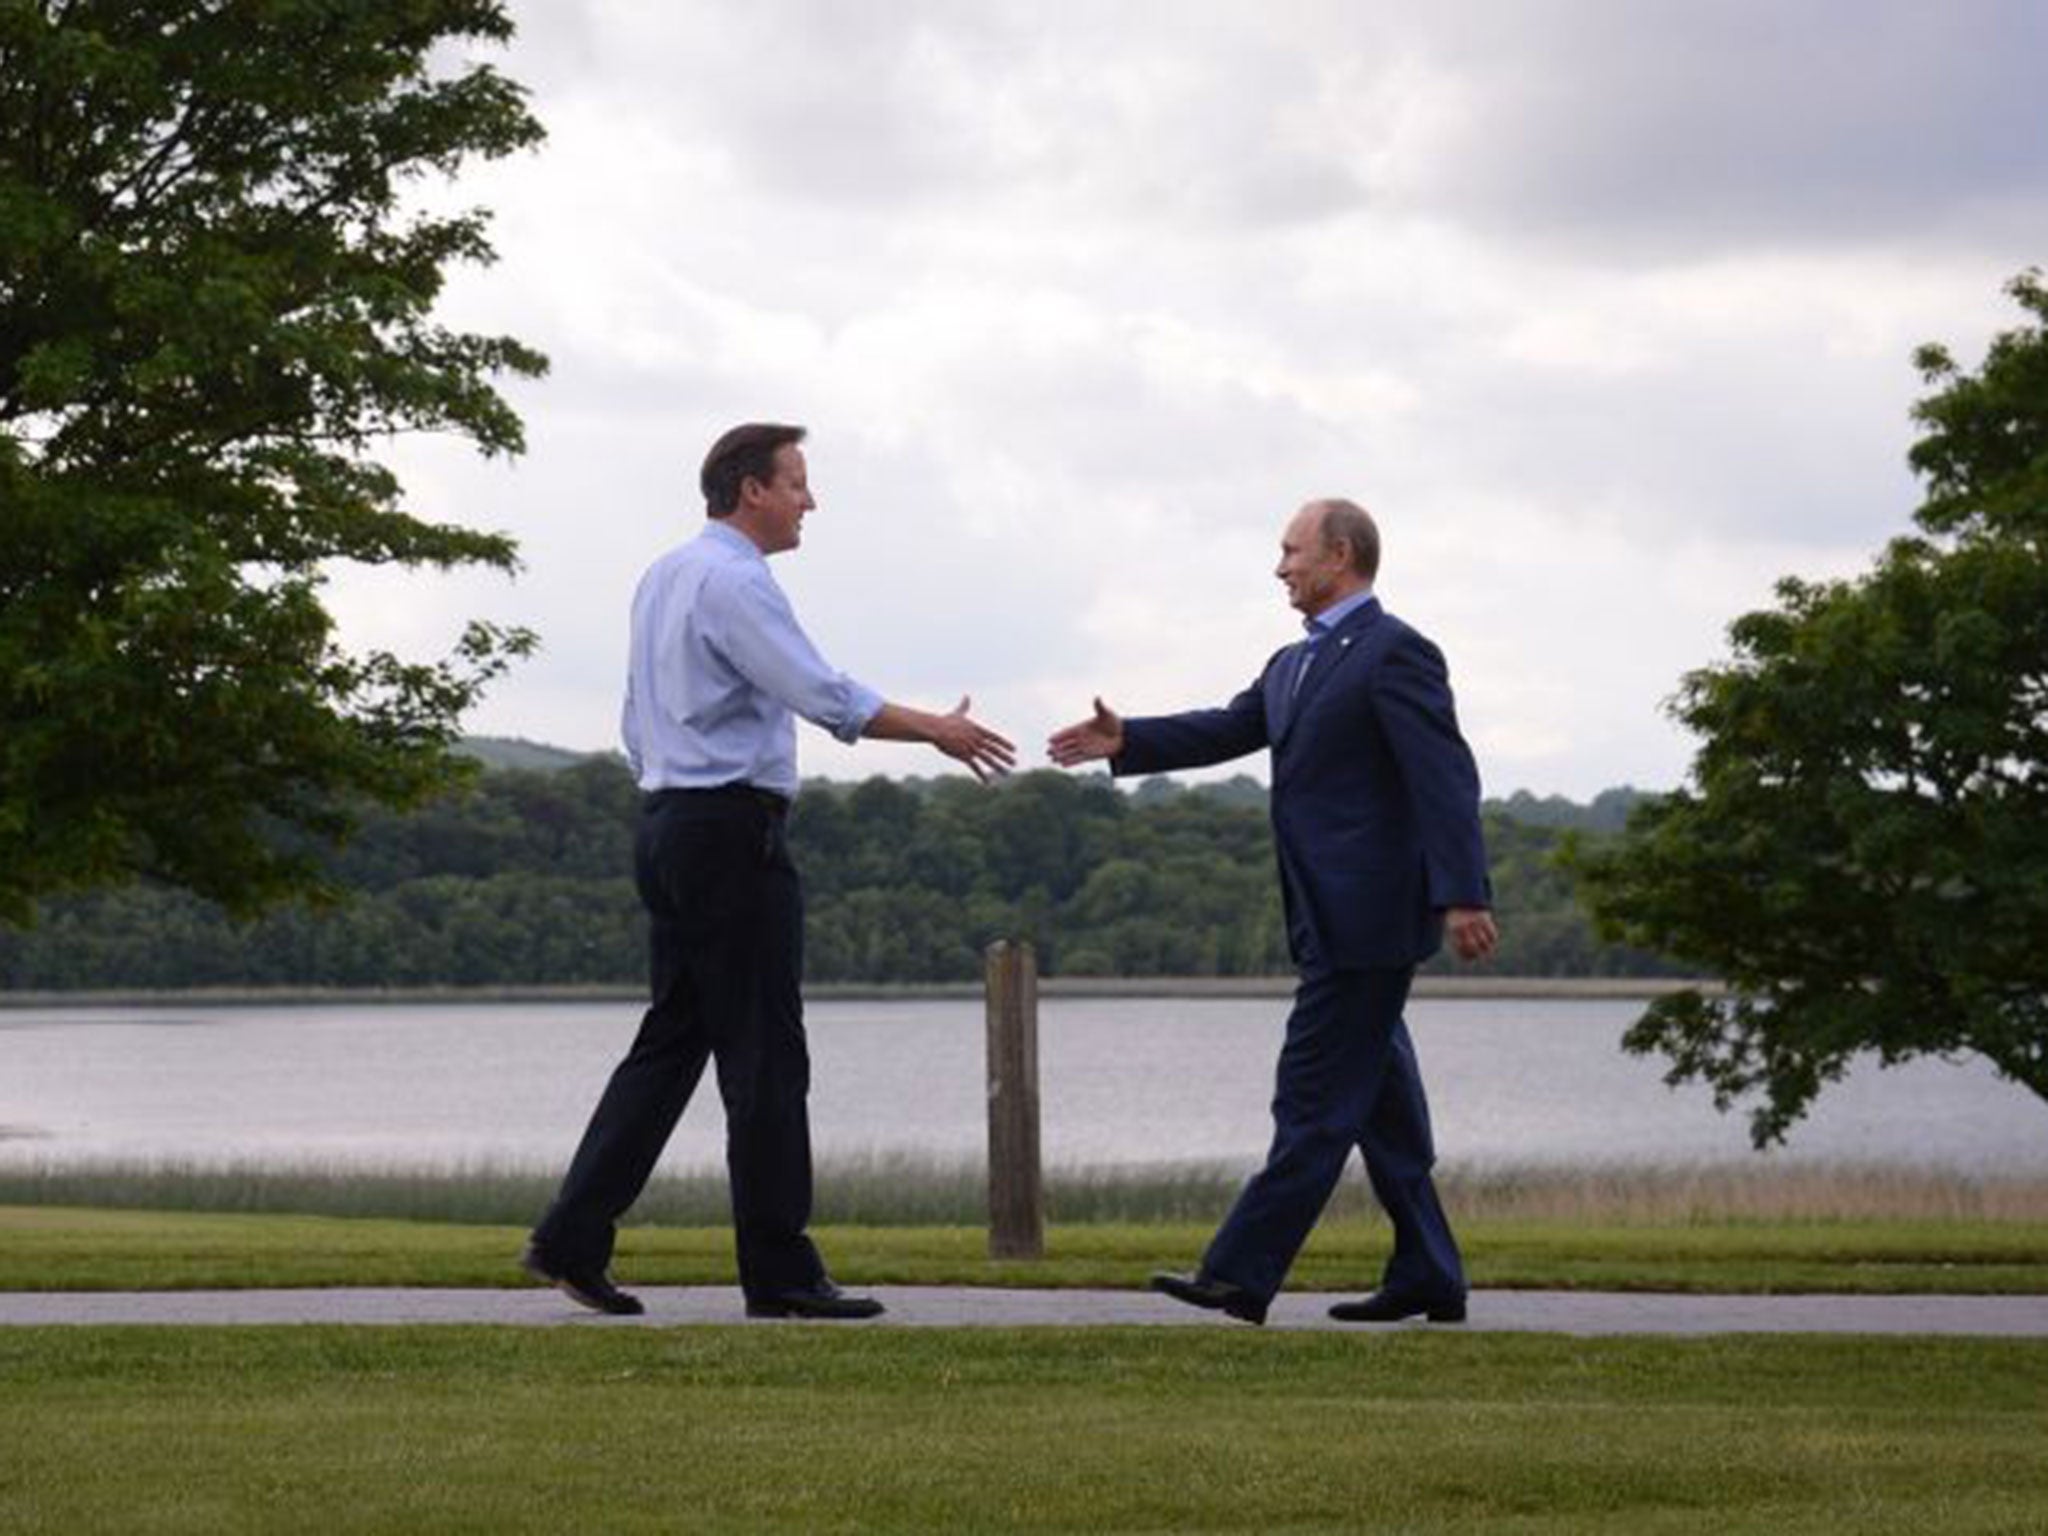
1375 807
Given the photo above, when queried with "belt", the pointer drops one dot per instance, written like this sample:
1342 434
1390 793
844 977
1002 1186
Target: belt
767 799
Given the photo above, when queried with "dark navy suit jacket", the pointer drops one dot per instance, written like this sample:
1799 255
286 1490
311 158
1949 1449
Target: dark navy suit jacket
1375 797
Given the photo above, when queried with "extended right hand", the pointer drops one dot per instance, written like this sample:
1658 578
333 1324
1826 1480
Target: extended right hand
1099 736
967 740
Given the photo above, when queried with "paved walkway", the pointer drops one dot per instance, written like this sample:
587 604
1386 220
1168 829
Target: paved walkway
1572 1312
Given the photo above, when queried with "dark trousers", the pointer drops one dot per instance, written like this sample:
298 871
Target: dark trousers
726 945
1347 1078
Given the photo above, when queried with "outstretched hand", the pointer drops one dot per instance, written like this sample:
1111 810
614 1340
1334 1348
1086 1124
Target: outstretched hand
965 740
1099 736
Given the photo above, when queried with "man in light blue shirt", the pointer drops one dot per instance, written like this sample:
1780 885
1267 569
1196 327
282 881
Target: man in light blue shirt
729 713
719 670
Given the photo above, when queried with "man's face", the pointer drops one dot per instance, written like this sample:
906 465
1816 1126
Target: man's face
776 509
1311 570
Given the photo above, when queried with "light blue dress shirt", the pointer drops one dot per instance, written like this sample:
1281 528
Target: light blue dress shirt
1321 624
720 668
1336 613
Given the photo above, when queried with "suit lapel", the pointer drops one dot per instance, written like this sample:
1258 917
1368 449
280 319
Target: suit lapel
1279 687
1281 691
1335 650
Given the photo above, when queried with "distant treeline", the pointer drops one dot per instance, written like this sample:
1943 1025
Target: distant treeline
524 879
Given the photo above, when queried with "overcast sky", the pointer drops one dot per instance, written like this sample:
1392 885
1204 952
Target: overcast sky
1606 310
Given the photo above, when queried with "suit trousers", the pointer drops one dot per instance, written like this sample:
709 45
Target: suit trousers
726 961
1347 1078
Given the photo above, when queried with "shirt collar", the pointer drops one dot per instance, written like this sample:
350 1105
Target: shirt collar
1322 623
721 532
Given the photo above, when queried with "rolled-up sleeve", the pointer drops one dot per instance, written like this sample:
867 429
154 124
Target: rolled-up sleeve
757 631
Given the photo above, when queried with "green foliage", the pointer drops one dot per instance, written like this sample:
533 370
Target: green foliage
1863 853
216 299
524 878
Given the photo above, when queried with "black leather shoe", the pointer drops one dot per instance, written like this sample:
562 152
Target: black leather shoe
1385 1307
591 1288
824 1300
1215 1295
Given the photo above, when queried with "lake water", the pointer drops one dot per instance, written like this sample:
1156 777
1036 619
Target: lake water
1125 1080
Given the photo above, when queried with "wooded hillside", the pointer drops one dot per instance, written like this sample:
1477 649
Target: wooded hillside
525 879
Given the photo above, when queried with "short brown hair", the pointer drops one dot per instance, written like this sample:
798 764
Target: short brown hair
746 452
1348 521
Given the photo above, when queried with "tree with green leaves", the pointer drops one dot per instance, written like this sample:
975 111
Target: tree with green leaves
1862 854
217 291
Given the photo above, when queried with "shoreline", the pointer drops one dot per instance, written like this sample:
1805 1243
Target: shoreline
1505 988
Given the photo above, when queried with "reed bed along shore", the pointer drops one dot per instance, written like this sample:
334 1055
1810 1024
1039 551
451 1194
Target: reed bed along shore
1464 984
910 1189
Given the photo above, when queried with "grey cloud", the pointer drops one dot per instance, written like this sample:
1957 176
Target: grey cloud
1692 452
1123 111
1653 131
1677 129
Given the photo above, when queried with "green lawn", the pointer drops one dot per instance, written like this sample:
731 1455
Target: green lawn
219 1431
53 1248
734 1429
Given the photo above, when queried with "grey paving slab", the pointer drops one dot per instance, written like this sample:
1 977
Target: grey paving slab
1569 1312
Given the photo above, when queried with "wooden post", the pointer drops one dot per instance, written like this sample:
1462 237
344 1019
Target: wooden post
1016 1182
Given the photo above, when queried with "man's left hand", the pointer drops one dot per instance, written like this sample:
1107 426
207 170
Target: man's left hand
1472 931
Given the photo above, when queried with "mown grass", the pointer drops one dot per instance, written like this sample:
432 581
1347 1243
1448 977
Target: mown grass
911 1190
729 1430
44 1248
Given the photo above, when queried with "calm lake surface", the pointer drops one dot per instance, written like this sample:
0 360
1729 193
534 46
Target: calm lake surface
1125 1080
